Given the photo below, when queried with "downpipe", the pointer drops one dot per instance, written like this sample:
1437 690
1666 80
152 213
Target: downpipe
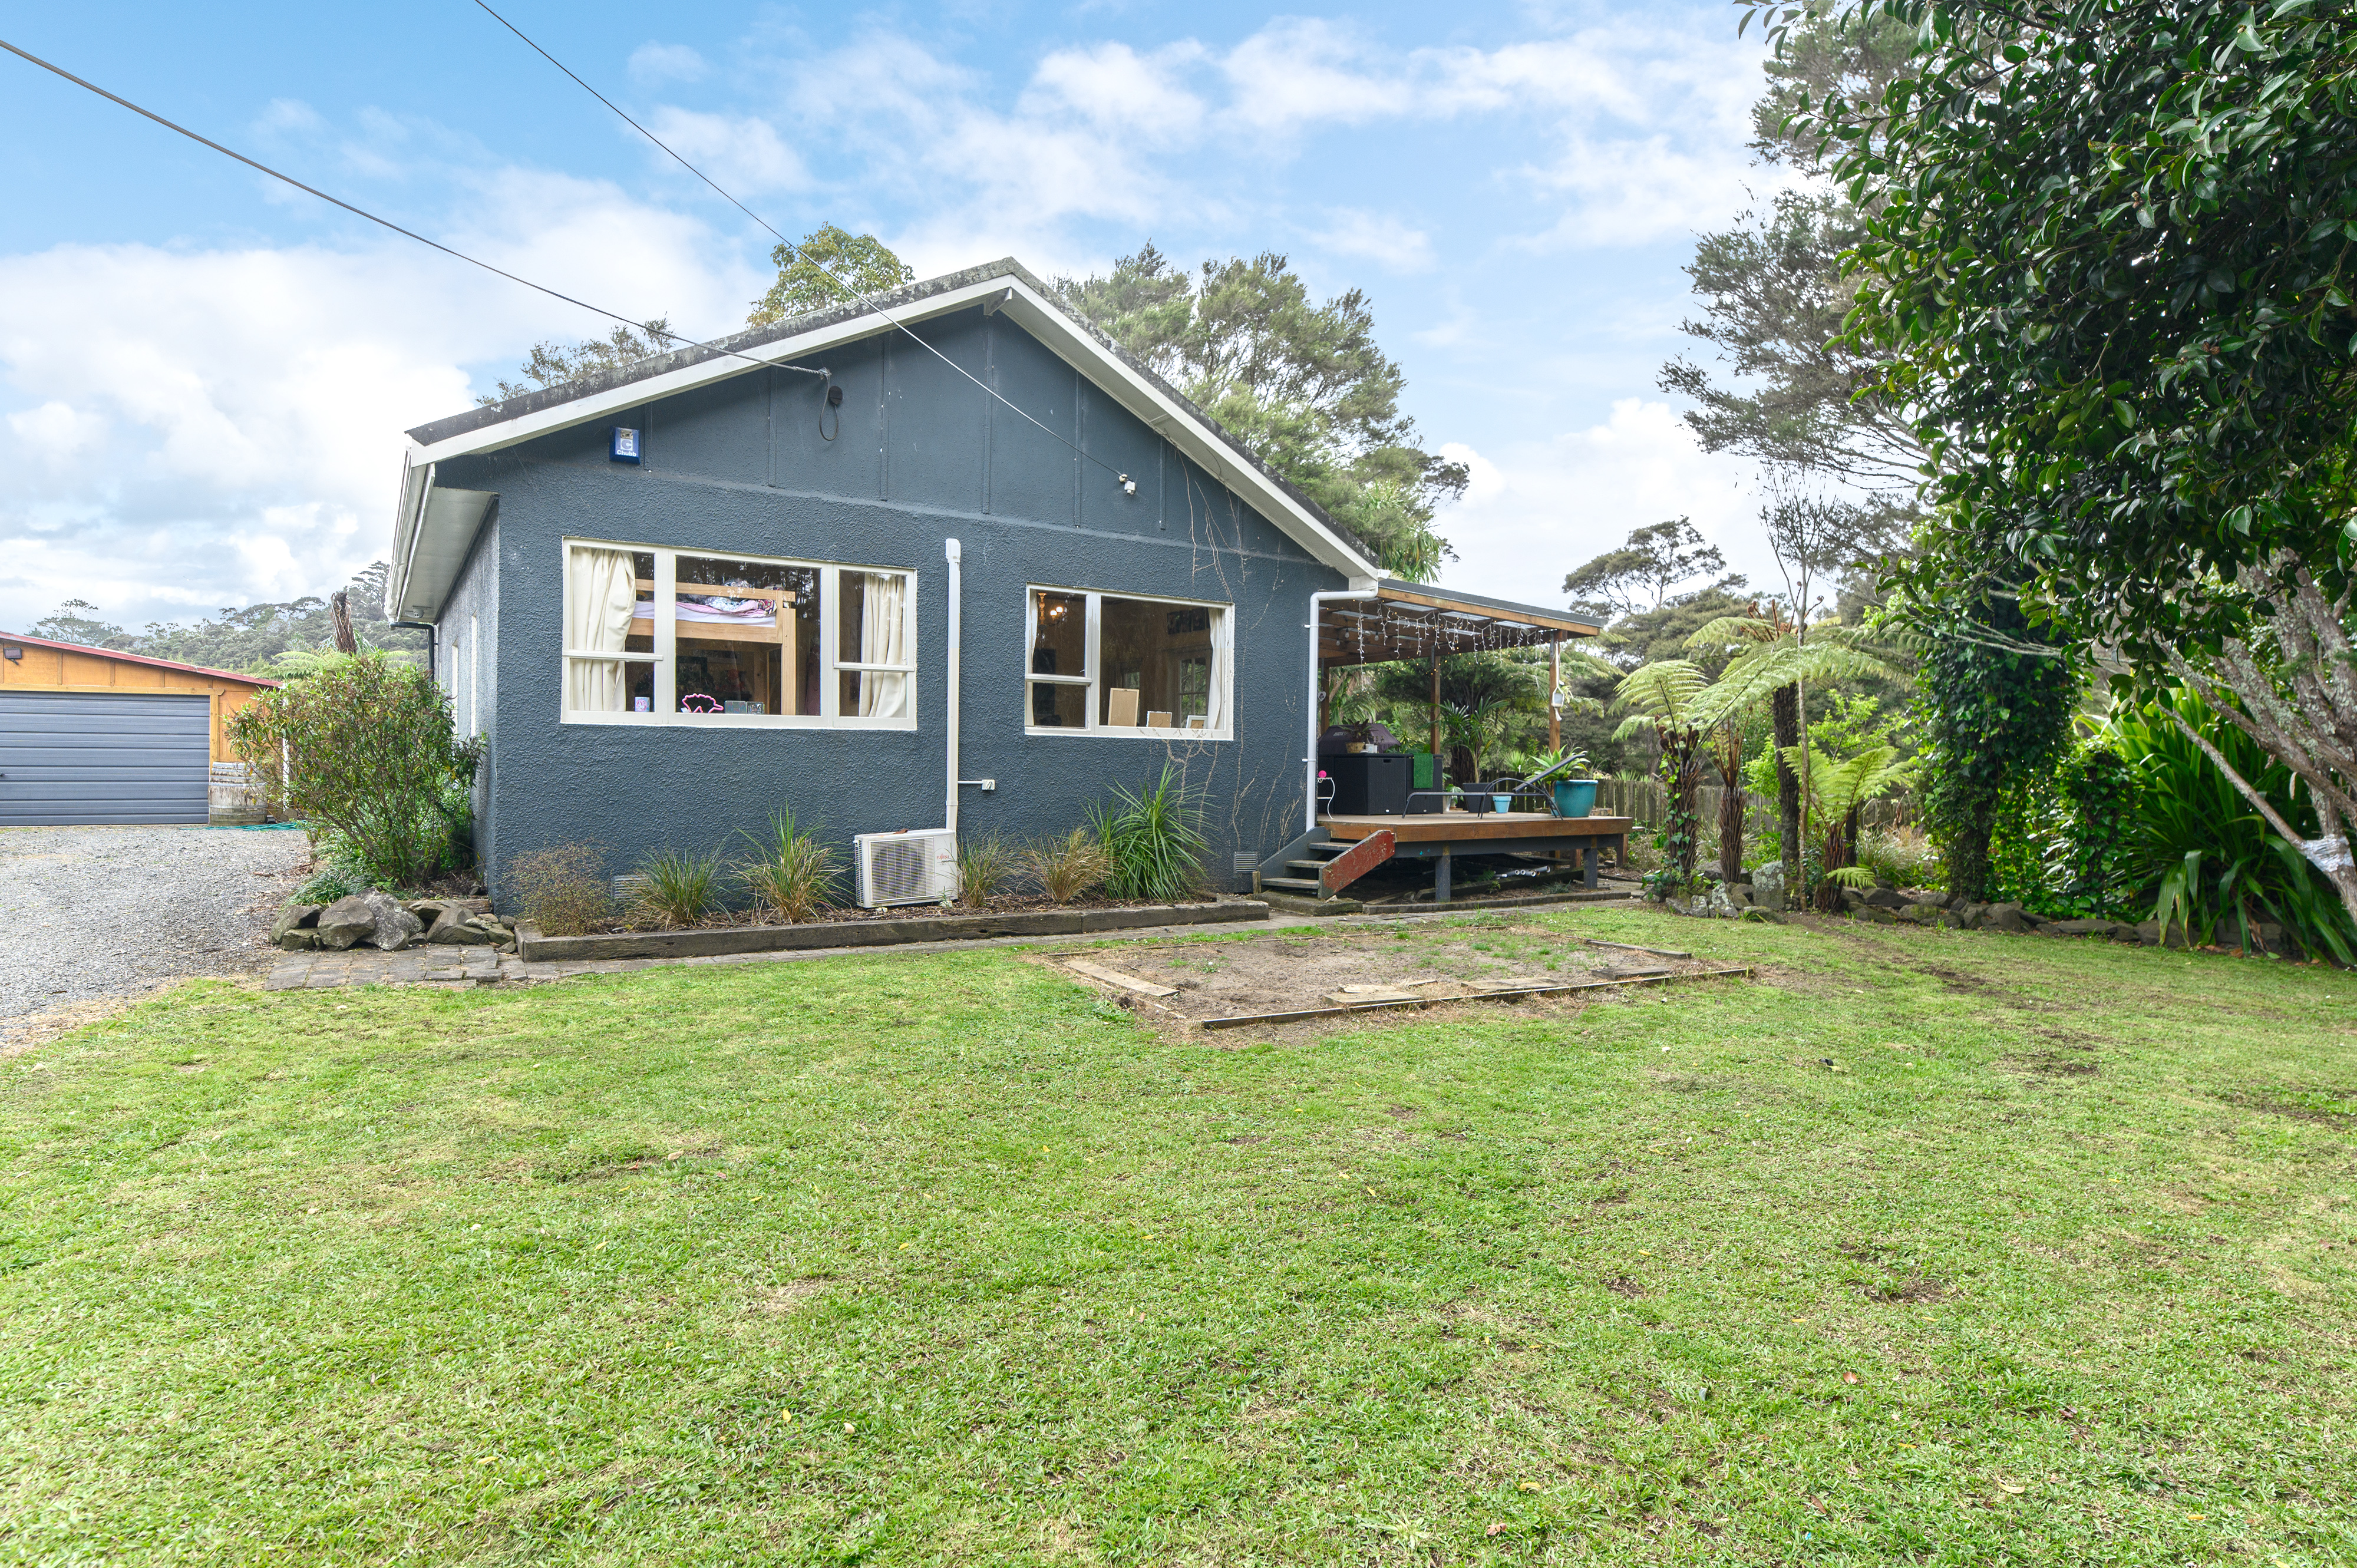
953 554
1318 601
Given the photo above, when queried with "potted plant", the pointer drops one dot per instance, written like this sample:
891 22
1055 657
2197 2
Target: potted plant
1360 733
1575 792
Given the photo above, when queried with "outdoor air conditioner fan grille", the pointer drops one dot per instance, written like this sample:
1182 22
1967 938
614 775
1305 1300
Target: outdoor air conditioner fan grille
896 871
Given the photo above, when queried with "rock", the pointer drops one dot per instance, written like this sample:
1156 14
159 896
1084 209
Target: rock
2272 937
346 921
1768 917
1740 894
1972 916
427 910
1885 898
1768 886
294 917
2006 918
2082 927
457 926
1722 902
374 917
1923 914
298 941
2125 931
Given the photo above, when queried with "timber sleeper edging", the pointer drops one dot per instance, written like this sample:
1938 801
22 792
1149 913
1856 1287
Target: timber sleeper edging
536 947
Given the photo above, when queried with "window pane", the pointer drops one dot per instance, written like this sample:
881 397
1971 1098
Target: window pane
1157 659
1059 646
741 627
871 619
1055 706
639 679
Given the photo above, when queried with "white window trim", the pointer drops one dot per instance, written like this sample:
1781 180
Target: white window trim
1091 648
666 639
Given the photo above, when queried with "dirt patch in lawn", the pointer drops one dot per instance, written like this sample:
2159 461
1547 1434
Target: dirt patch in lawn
1299 971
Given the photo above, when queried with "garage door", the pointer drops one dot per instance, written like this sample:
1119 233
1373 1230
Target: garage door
67 758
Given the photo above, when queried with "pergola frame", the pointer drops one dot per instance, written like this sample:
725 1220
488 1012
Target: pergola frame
1417 623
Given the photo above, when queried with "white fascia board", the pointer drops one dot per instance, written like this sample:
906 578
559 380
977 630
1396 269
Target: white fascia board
1174 424
1064 337
408 516
720 367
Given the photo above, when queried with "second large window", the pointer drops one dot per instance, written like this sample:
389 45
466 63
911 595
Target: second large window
1116 664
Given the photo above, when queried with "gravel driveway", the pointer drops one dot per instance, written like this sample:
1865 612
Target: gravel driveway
90 912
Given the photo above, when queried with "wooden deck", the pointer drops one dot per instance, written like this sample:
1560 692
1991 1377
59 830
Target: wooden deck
1438 836
1464 827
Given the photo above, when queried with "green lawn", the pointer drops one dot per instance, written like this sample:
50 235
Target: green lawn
1928 1246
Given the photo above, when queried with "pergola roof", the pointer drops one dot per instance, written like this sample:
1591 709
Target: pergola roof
1415 621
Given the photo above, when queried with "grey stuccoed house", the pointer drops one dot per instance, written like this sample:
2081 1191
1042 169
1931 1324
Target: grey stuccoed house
944 561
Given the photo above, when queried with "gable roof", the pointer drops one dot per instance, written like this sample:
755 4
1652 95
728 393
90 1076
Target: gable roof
428 547
11 637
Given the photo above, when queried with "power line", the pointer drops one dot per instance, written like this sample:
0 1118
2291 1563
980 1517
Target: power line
794 250
381 222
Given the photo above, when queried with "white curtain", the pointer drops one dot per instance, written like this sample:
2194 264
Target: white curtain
1223 653
883 639
600 591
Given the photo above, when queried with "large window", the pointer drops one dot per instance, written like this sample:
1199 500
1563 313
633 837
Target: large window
1114 664
668 638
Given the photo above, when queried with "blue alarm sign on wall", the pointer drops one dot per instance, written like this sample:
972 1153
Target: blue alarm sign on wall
626 445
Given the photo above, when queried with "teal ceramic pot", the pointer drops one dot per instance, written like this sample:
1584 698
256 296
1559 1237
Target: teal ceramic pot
1502 803
1575 797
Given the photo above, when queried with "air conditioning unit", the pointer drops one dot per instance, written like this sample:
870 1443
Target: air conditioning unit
919 867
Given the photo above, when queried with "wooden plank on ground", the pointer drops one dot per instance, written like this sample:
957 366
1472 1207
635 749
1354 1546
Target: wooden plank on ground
1239 1020
1115 977
1625 947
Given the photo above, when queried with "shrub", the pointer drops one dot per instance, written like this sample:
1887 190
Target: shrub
365 749
562 889
1067 867
791 872
336 872
676 888
1154 840
1902 856
985 866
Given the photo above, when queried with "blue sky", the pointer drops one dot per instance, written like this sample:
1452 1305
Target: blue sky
205 375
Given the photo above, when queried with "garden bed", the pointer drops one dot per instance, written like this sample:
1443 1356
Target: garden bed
883 928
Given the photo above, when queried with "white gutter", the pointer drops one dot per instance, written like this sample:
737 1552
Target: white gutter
1310 764
951 551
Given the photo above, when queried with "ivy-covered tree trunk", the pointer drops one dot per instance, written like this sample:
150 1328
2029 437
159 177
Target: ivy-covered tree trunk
1785 715
1996 695
1681 765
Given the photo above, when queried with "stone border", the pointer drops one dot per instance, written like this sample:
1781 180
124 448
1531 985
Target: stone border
538 949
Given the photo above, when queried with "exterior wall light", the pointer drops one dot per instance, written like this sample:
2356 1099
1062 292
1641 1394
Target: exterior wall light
626 445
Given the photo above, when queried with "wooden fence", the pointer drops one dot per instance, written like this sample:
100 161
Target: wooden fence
1647 800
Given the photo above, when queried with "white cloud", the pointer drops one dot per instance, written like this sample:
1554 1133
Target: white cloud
1113 85
743 155
651 61
1381 238
217 426
1534 511
1293 73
